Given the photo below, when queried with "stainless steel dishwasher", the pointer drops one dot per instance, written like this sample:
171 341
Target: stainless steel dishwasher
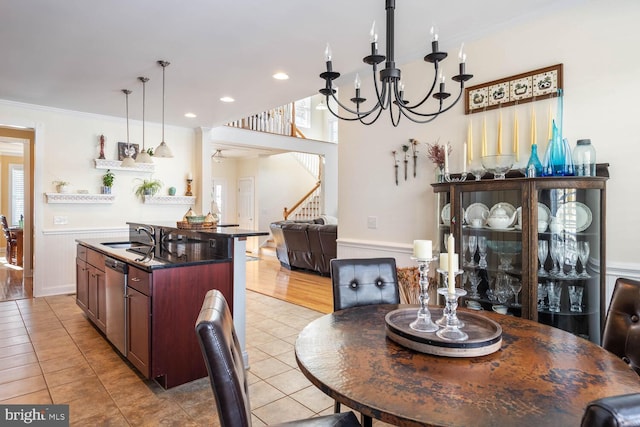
116 290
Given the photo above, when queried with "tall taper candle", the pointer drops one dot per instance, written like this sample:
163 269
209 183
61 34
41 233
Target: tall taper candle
446 158
464 163
500 133
452 278
533 125
516 148
483 148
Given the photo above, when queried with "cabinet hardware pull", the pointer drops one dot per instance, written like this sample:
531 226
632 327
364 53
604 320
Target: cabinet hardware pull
135 279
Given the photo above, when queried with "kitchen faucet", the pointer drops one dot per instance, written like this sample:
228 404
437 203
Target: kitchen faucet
150 232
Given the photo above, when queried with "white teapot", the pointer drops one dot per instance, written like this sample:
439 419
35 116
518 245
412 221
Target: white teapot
499 218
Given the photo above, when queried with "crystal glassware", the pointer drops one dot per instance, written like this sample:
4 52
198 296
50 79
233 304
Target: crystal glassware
473 245
465 245
498 164
583 254
554 292
445 288
557 254
451 330
474 278
571 256
423 322
482 248
543 252
575 297
516 287
542 294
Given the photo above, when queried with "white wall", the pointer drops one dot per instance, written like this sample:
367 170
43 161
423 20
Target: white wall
596 43
65 145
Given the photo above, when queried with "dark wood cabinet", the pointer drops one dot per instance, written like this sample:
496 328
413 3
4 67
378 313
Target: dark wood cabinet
82 282
138 328
574 209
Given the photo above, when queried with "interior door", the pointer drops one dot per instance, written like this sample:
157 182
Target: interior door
246 203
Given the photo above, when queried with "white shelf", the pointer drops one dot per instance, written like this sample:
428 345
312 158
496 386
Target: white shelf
115 165
169 200
79 198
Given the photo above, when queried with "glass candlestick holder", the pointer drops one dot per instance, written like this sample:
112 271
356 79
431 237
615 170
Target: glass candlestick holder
423 322
449 178
445 290
451 330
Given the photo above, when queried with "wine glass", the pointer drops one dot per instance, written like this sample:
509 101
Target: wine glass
542 294
516 287
583 254
446 242
473 245
475 279
557 252
482 248
571 255
543 252
465 244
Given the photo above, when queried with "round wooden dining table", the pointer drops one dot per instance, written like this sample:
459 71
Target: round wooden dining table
541 375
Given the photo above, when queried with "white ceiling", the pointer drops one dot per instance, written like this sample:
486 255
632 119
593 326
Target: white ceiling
79 54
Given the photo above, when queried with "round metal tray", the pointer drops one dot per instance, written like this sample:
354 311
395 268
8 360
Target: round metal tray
485 335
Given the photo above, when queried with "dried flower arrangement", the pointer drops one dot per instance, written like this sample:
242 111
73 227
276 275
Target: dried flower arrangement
435 153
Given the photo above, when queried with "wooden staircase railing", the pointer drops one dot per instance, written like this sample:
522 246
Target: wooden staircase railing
280 120
311 193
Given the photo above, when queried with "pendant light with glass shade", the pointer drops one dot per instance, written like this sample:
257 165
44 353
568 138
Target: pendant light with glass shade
128 161
163 149
143 156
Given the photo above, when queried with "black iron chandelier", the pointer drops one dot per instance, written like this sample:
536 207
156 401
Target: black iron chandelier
390 89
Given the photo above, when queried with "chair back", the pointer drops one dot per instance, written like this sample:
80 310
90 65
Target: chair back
223 358
364 281
5 227
621 334
622 410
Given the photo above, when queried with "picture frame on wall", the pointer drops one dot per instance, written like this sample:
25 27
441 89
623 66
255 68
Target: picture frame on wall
125 149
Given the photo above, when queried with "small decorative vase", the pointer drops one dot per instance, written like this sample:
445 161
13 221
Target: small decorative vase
534 166
106 190
439 174
172 191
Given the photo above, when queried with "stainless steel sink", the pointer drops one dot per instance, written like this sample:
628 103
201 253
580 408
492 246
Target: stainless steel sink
123 245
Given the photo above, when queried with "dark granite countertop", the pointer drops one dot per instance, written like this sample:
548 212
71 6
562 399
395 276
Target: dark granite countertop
223 231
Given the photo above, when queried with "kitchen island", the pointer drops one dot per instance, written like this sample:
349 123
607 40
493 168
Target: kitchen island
145 294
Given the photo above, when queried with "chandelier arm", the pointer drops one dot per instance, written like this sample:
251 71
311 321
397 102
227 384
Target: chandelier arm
380 110
379 95
350 119
440 110
356 112
428 95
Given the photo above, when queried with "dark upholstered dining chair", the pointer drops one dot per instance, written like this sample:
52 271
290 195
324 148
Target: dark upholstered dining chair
363 281
621 334
12 243
223 358
623 410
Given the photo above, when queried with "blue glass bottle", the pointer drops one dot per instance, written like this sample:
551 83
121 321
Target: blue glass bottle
558 160
534 166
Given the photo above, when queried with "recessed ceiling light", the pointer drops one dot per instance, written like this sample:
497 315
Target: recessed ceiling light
281 76
227 99
190 115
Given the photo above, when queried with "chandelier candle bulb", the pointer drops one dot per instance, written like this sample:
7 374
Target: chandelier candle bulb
422 249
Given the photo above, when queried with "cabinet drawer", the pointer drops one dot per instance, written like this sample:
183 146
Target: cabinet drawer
81 252
139 280
96 259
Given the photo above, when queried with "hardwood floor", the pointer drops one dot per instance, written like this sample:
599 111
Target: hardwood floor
268 277
13 285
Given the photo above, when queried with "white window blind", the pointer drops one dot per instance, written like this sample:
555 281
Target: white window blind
16 192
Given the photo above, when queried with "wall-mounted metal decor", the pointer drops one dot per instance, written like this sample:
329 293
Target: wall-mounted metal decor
531 86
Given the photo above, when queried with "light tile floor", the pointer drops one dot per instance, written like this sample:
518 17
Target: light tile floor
50 353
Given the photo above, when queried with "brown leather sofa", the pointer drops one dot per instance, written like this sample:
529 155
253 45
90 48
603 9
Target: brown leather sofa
305 245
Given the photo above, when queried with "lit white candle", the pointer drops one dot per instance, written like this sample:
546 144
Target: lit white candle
452 259
464 163
422 249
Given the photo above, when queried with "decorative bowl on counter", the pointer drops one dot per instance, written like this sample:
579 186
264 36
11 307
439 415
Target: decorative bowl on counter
498 164
195 219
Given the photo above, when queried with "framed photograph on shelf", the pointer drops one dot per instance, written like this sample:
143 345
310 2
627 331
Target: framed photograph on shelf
125 149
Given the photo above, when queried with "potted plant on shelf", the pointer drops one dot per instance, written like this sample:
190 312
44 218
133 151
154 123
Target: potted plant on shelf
148 187
62 186
107 182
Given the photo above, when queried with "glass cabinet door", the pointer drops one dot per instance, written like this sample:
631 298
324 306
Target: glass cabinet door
568 245
491 250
